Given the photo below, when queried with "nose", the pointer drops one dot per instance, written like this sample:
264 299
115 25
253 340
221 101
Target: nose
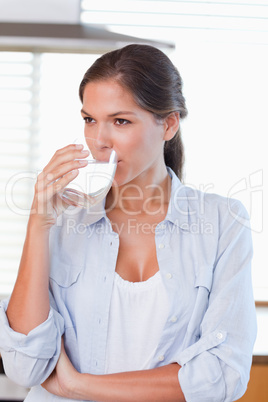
101 142
103 137
99 139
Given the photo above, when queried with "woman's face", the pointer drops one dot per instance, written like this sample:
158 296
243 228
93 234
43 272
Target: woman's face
114 120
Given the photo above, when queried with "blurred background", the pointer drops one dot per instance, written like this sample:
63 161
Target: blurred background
221 51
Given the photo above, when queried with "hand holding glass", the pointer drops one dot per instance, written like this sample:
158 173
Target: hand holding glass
93 181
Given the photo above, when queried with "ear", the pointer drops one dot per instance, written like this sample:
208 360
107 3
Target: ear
171 123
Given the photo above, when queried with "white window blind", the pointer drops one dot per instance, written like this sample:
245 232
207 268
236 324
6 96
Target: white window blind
19 99
246 20
39 113
186 14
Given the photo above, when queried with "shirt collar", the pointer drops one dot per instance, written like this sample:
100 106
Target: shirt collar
178 209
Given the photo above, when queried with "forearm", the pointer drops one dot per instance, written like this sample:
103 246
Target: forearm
160 384
29 302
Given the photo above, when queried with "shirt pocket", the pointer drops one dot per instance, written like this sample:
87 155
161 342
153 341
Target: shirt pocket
66 290
64 274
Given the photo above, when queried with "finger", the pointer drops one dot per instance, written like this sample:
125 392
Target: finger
46 178
65 155
59 185
64 169
70 147
44 196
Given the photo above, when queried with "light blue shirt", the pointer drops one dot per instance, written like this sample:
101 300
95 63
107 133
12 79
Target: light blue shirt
204 253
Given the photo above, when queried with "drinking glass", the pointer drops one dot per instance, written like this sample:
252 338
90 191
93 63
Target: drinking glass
94 180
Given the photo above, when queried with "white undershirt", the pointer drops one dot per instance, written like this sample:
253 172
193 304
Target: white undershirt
138 313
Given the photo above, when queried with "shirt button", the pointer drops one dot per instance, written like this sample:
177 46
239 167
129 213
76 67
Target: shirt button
161 358
219 335
161 245
168 275
163 226
173 319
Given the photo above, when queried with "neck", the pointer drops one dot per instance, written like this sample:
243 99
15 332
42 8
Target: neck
147 194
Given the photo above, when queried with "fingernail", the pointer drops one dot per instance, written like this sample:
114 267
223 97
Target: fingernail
85 152
79 146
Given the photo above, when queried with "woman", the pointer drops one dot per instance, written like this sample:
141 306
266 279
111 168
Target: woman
147 297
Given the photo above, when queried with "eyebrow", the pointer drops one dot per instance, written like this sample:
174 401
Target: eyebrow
113 114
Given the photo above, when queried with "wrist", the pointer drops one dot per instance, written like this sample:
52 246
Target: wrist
79 386
42 215
36 224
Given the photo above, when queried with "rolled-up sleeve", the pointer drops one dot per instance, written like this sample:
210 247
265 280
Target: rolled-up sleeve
216 368
29 359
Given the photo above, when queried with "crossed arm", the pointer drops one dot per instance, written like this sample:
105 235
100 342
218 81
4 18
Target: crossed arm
159 384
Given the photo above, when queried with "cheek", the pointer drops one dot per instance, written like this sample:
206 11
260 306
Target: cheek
85 134
89 146
89 139
137 140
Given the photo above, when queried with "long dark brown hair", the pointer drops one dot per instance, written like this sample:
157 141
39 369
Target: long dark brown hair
153 81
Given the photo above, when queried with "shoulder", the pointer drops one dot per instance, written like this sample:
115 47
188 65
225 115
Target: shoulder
203 203
208 212
194 208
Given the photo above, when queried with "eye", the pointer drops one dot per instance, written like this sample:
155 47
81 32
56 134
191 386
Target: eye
122 122
88 120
